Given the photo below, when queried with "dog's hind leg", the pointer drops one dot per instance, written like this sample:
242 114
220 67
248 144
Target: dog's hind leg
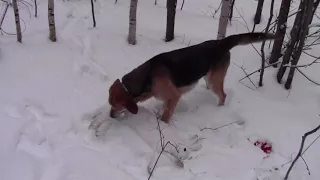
165 90
216 78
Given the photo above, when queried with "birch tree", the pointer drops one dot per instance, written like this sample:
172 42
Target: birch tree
132 22
17 20
281 31
223 23
171 15
52 26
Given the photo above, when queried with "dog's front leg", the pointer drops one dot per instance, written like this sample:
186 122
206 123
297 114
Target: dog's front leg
169 107
164 89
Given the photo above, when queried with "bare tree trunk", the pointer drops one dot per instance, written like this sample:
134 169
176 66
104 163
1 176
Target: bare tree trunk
307 16
257 17
182 5
223 21
17 20
93 15
231 10
171 15
263 44
155 2
133 22
281 31
294 35
52 26
35 8
116 1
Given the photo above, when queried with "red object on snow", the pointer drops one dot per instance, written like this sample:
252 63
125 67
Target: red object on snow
264 146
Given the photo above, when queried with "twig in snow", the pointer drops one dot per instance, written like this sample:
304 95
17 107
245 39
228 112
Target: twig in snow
163 147
311 144
305 162
93 15
155 164
244 71
300 150
182 5
35 8
214 129
259 70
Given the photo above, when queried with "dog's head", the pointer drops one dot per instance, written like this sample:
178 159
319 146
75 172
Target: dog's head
119 99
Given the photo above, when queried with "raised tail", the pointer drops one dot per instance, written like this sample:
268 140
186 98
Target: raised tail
248 38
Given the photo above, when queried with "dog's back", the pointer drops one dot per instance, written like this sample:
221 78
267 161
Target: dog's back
187 65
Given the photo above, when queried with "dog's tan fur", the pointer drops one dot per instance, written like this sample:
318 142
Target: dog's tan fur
162 69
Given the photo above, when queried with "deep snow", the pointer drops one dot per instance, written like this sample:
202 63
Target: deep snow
51 93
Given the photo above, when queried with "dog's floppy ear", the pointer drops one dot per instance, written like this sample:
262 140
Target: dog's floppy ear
131 106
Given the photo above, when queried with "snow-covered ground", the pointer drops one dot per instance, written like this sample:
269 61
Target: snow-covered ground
51 93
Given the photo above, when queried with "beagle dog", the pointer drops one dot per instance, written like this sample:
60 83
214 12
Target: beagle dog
167 76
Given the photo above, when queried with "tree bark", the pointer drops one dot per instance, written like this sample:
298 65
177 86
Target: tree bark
281 31
52 26
17 20
171 15
294 35
93 15
223 21
307 16
132 22
257 17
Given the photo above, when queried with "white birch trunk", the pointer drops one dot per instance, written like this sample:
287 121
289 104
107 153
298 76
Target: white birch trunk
223 23
132 22
17 20
52 26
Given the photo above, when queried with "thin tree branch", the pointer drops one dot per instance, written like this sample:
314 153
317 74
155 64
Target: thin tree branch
163 146
300 150
214 129
244 71
305 162
304 65
314 82
259 70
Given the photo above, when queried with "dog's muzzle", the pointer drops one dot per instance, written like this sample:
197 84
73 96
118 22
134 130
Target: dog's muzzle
114 113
